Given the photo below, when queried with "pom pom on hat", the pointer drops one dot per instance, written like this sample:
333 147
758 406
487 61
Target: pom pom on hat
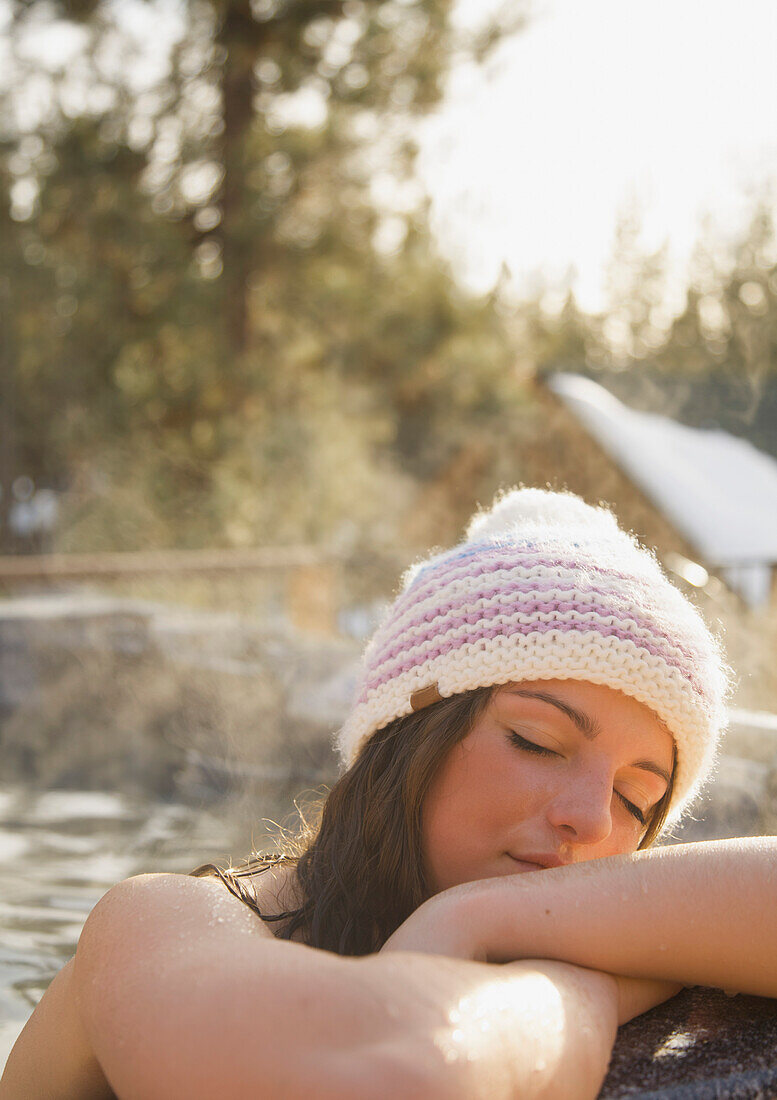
545 586
517 511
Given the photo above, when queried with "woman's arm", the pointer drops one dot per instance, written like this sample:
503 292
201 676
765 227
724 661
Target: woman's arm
184 994
697 914
52 1058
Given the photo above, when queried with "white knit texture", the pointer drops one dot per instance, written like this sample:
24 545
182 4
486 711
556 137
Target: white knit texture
536 559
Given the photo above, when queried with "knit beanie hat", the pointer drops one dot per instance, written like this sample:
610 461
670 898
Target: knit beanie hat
544 586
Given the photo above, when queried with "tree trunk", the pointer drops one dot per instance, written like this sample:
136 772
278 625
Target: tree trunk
241 36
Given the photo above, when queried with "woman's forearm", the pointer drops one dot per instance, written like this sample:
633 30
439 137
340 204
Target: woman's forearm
698 914
534 1029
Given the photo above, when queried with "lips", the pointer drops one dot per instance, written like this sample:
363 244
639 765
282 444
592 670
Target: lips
524 865
541 862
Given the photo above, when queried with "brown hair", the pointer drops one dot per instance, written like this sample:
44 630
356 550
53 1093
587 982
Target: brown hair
361 874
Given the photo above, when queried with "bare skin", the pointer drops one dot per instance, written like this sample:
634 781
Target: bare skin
559 768
177 989
496 917
175 980
700 898
53 1056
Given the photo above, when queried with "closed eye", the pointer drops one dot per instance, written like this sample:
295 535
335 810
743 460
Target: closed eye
540 750
522 743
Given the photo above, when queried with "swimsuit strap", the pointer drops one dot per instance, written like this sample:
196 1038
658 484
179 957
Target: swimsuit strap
239 881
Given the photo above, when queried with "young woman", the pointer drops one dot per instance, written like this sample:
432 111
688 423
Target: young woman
481 906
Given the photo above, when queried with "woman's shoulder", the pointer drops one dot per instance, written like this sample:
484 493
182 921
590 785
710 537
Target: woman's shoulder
164 903
146 917
268 887
181 965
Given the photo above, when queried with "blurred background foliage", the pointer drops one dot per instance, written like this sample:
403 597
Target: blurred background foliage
223 318
226 324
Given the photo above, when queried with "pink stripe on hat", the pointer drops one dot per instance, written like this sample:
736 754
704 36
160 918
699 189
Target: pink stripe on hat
544 586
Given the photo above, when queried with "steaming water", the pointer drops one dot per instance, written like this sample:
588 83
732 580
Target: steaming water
61 850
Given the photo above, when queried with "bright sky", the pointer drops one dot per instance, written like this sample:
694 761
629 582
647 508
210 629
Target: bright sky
669 103
600 104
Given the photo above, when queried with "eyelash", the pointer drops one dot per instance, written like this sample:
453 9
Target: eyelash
538 750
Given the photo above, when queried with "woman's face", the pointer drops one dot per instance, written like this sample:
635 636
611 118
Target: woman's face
552 771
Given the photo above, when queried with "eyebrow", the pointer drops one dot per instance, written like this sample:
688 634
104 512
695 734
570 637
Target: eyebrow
587 725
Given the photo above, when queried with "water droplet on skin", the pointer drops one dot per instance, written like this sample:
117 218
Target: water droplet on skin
485 1025
451 1056
457 1035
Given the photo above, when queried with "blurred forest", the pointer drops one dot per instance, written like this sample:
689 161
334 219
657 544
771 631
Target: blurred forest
223 319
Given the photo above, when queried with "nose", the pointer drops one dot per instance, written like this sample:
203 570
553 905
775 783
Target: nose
582 807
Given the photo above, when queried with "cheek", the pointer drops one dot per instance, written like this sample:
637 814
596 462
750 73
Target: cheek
476 801
621 842
451 822
445 816
521 787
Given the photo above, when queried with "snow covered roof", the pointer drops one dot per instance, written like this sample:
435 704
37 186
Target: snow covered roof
718 491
